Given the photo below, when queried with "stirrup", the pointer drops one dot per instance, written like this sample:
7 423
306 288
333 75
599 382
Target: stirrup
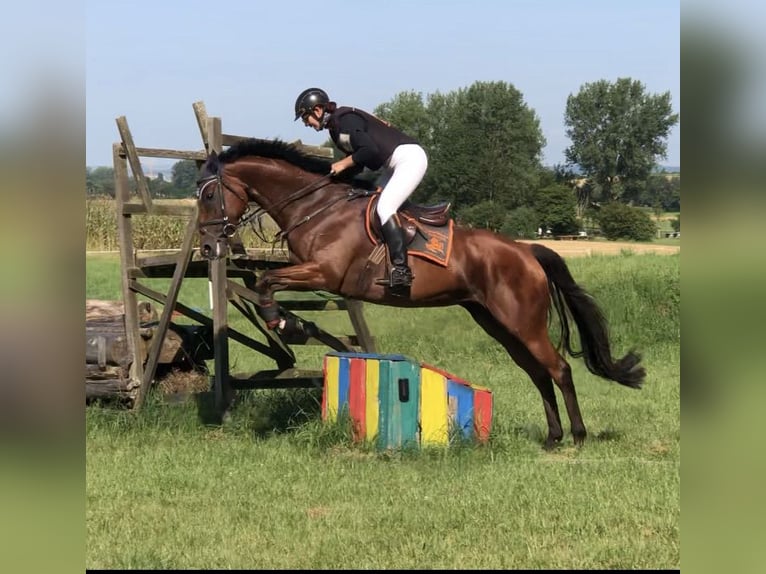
399 279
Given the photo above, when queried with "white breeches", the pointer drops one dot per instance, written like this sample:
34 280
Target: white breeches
401 175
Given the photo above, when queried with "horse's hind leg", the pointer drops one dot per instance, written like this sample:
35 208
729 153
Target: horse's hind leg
524 359
540 346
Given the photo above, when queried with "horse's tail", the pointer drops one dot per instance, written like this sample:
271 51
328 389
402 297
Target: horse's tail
591 323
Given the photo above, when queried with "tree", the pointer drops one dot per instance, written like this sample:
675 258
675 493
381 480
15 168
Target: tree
555 206
484 214
618 132
490 145
521 223
408 113
184 178
483 143
99 181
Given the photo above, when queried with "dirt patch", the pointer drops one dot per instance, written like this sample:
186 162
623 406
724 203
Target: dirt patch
179 382
582 248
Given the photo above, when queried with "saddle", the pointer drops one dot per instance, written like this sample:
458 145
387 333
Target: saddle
427 229
436 215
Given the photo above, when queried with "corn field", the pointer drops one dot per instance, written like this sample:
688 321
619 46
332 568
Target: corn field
149 231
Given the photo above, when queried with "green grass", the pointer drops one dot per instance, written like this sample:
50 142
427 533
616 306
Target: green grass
274 488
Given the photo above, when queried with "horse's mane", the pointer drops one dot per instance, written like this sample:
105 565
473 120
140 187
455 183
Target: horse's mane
278 149
275 149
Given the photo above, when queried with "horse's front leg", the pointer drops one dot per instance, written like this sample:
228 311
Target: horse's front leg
302 277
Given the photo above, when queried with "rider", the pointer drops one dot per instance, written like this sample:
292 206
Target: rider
373 143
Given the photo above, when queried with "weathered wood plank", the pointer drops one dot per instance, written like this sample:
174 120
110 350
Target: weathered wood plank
170 153
105 373
201 114
129 149
96 309
356 315
127 262
284 378
104 349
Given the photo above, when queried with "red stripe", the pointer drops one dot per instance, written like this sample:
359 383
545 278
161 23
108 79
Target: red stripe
357 397
482 414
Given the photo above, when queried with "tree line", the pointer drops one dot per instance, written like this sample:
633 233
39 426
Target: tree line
484 145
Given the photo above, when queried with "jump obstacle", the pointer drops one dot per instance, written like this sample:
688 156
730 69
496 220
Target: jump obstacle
391 399
396 402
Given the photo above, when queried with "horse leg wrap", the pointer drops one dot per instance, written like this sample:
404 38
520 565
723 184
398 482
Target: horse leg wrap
269 312
296 325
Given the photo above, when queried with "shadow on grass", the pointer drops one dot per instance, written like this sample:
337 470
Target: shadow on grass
264 412
609 435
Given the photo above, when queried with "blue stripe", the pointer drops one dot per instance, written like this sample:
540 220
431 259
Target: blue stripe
464 396
344 367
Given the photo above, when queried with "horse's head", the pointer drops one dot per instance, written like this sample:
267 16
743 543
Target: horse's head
221 206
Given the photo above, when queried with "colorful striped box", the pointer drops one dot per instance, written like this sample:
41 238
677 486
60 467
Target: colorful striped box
469 406
397 401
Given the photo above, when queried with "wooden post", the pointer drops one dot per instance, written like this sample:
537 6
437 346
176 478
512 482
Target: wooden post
217 268
201 114
356 314
221 385
127 264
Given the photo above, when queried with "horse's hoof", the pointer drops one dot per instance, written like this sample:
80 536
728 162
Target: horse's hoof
552 443
579 437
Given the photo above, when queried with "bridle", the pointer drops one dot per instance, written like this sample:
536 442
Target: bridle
228 228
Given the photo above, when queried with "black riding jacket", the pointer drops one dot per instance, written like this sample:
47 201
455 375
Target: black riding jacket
368 140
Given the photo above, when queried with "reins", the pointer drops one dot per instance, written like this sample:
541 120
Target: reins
229 229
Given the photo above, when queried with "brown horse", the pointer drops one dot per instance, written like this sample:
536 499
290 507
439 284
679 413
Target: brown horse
506 286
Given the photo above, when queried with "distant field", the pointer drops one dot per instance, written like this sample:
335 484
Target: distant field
584 248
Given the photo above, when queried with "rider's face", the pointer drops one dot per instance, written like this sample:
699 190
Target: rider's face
313 119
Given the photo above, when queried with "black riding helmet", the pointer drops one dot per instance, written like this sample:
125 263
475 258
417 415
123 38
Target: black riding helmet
308 99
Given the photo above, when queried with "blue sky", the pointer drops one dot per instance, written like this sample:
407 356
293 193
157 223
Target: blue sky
149 61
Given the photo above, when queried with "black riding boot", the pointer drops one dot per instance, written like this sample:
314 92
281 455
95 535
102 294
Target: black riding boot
401 275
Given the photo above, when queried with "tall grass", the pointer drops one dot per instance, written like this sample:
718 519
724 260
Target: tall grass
149 231
274 488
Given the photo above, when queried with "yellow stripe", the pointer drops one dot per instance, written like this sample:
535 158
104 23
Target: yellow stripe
332 376
433 408
372 404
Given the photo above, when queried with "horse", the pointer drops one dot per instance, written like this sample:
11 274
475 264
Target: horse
509 288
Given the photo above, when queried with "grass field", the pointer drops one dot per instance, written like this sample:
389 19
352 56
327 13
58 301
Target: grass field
273 488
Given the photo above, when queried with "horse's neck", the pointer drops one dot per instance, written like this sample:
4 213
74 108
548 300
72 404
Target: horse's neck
287 191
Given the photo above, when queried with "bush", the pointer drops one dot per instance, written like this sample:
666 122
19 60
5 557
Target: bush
619 221
486 215
676 223
521 223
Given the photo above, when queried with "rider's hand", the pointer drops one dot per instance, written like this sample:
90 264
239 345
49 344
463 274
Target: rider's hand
338 167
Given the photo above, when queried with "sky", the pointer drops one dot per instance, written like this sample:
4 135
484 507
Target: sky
248 60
